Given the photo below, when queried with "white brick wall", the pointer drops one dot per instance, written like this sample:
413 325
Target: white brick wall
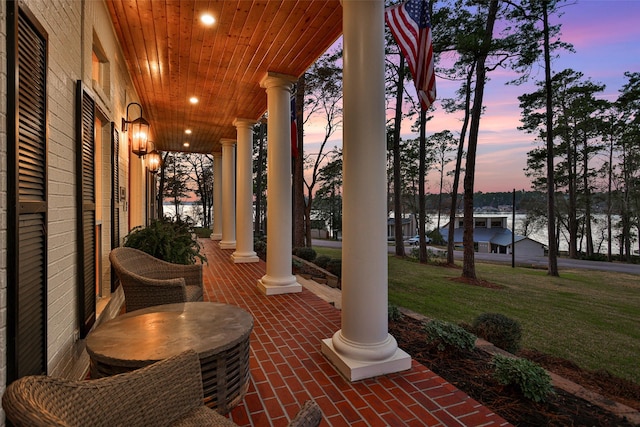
69 60
62 22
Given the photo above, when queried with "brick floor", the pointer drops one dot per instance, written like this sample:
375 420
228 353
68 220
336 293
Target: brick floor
287 366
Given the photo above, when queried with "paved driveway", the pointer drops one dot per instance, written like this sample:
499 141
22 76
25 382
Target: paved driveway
524 260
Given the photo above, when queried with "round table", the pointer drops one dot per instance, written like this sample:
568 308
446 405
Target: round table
218 332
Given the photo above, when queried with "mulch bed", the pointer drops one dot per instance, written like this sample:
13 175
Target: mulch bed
471 372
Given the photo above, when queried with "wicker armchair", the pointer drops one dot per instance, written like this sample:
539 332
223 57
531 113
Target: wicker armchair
148 281
167 393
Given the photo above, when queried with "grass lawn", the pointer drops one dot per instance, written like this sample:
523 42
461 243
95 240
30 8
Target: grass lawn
589 317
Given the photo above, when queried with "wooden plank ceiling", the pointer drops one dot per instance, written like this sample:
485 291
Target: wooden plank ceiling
172 56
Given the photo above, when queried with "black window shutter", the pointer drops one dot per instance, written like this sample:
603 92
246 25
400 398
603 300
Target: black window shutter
26 195
115 195
85 123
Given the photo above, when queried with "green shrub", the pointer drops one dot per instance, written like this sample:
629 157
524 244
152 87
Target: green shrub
334 266
307 254
500 330
260 246
432 256
529 377
448 335
202 232
393 313
414 253
322 261
436 237
166 240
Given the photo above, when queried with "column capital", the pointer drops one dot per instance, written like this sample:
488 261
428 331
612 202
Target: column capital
271 80
244 123
227 142
216 154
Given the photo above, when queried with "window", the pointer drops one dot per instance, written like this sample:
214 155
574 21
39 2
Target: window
100 71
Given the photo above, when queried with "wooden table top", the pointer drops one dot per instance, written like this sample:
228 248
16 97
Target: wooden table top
156 333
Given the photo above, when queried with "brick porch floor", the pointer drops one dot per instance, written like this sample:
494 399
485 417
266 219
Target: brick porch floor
287 366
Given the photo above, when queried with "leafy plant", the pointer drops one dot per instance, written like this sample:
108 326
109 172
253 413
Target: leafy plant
322 261
393 313
167 240
334 266
499 330
296 264
260 246
436 237
433 256
203 232
531 378
307 254
448 335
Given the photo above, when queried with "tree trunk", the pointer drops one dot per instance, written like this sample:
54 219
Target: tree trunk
456 177
300 238
440 197
572 211
397 187
161 183
551 210
422 210
259 226
609 199
587 196
468 265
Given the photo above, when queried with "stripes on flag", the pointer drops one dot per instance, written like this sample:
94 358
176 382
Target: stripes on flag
411 28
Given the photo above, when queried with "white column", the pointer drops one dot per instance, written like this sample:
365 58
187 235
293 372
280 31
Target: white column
278 279
363 348
244 193
228 194
217 196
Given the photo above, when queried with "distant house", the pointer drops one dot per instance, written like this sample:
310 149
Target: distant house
491 235
409 226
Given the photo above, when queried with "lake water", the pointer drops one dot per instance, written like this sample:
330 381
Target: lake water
193 211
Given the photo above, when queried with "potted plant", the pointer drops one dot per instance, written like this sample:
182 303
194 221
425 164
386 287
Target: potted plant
167 240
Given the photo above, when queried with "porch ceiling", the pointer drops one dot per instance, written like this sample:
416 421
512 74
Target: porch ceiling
172 56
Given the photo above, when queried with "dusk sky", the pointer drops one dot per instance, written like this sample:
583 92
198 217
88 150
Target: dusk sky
606 38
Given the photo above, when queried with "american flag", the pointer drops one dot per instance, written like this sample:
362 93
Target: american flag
410 26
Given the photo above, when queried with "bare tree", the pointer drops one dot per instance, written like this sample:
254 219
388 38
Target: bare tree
299 235
442 145
324 94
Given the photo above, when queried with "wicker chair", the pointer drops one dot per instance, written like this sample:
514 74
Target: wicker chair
167 393
148 281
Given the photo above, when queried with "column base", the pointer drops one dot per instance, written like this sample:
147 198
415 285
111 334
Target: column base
270 286
355 370
227 244
216 236
244 257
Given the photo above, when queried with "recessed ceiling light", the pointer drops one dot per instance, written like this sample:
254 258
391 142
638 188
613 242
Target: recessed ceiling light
193 100
207 19
188 131
185 144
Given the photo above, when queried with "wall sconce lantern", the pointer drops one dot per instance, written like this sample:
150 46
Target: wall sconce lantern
154 161
139 132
